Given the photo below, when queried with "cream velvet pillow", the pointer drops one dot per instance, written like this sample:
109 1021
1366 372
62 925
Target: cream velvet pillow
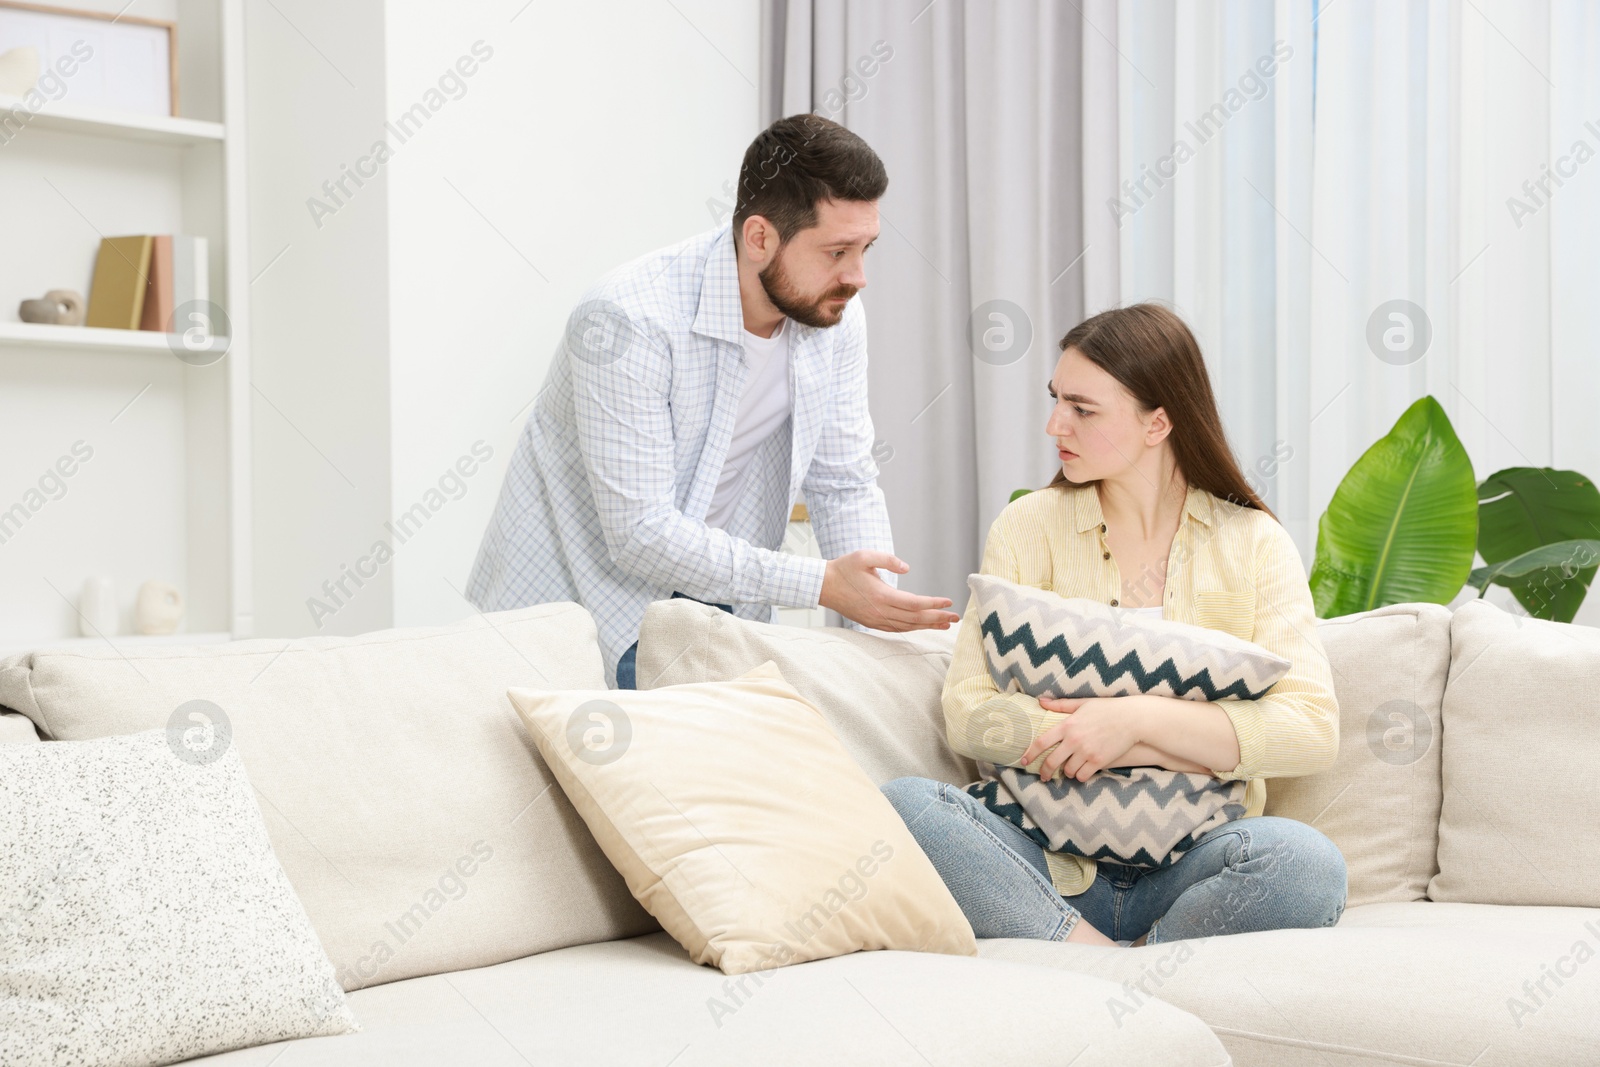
740 822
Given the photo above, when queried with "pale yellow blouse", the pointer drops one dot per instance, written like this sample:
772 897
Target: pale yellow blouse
1230 568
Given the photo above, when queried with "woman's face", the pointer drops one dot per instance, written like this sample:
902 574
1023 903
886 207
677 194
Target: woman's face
1098 429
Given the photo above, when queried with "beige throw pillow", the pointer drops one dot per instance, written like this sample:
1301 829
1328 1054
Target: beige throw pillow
740 822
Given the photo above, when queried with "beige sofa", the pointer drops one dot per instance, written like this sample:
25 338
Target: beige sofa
380 761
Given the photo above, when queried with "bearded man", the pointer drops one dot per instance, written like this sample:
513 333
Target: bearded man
699 392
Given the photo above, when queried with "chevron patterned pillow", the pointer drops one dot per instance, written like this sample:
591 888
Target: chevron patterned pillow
1046 645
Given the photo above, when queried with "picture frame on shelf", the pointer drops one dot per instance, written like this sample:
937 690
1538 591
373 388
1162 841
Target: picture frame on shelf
96 58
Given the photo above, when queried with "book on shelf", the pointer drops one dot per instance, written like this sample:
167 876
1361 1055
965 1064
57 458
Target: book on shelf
140 281
191 279
121 281
158 293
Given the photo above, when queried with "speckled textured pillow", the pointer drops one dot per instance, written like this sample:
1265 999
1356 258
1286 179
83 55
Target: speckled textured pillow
143 915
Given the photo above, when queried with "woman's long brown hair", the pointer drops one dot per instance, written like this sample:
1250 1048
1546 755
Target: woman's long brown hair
1150 350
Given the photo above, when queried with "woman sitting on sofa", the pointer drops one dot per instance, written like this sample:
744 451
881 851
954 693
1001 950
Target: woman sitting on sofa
1149 512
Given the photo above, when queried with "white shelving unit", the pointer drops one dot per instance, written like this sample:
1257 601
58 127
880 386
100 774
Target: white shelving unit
167 492
35 336
101 122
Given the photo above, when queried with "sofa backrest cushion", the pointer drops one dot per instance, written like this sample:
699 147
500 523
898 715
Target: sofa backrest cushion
1521 816
413 815
1379 802
17 727
881 693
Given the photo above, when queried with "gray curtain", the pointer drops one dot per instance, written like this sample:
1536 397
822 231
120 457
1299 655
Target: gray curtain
978 111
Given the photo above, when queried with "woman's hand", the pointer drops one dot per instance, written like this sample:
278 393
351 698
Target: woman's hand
1093 731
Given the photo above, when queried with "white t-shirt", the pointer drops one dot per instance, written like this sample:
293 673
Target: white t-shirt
762 408
1151 612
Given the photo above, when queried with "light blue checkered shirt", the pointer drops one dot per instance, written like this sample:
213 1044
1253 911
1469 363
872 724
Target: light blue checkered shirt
604 500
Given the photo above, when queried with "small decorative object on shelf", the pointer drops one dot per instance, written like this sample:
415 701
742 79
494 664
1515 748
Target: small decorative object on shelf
58 307
19 70
158 609
97 607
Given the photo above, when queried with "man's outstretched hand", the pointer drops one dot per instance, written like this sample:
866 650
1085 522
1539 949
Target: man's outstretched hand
853 589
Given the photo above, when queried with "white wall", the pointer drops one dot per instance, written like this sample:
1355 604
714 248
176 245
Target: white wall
422 315
593 134
320 311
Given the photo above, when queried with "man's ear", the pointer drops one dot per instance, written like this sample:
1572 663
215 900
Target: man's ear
760 240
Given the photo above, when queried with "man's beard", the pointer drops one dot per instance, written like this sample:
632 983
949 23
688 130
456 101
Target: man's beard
787 299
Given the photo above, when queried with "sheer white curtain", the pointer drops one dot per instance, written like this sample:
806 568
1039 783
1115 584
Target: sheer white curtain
1281 172
1430 119
976 109
1385 162
1211 98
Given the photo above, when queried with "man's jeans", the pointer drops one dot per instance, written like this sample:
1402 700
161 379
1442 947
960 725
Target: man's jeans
1260 873
625 665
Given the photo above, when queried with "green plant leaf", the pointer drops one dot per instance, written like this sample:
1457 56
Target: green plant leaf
1524 508
1403 523
1564 561
1019 493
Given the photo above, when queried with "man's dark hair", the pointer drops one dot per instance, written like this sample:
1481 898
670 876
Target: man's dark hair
798 161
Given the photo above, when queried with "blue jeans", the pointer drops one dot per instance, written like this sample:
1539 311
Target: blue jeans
626 665
1259 873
